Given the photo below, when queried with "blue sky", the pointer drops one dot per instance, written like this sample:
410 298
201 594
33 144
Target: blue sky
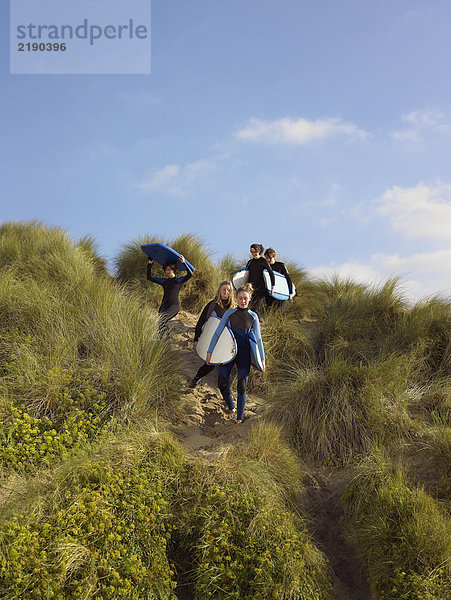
321 128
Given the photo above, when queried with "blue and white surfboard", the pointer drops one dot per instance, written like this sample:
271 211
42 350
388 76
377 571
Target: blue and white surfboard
256 359
281 290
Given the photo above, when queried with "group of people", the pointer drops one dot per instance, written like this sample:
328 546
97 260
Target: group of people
241 316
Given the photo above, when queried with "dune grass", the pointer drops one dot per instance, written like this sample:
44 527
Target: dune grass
265 463
403 533
81 365
229 265
335 413
354 375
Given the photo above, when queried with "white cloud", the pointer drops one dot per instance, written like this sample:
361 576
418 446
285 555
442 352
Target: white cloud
406 135
422 274
428 118
423 211
166 179
298 132
175 179
419 212
359 272
332 197
421 122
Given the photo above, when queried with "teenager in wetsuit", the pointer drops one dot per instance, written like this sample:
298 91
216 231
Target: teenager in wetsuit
222 302
171 285
242 322
256 266
270 255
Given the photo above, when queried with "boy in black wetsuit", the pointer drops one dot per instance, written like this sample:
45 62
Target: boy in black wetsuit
270 255
256 266
171 285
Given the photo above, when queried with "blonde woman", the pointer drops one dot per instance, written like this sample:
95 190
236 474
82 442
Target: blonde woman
217 307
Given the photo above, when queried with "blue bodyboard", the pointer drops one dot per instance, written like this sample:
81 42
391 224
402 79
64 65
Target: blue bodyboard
161 254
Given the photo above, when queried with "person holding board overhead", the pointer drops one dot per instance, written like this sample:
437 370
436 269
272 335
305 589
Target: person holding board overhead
221 302
256 266
171 285
279 267
245 326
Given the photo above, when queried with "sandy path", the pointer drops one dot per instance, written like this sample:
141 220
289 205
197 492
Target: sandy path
207 425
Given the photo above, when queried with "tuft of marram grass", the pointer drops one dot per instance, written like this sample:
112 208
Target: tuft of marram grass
336 411
58 313
265 463
90 247
229 265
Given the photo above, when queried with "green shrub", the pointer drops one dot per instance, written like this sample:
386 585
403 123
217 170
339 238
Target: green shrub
110 521
403 534
30 440
96 527
106 539
251 549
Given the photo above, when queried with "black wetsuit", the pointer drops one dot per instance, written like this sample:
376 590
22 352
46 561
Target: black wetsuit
256 266
212 307
170 304
280 268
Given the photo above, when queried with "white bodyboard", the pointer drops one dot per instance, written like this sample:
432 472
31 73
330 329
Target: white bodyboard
225 349
240 278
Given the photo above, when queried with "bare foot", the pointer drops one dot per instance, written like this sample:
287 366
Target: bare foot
232 410
239 421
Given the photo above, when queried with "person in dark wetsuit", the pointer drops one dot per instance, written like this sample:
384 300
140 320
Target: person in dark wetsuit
171 285
222 302
256 266
242 322
270 255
